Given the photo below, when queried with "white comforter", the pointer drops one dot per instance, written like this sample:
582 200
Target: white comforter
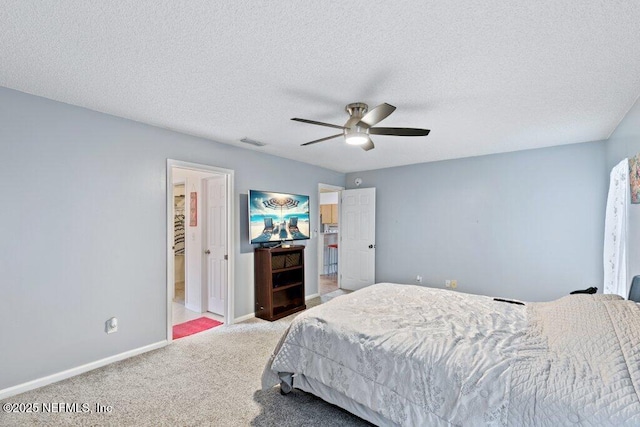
419 356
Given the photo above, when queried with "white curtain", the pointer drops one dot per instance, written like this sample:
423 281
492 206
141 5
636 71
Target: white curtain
615 232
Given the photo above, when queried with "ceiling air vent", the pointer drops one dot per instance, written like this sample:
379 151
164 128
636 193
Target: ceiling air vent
253 142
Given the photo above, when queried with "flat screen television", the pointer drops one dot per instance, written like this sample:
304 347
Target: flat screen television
276 217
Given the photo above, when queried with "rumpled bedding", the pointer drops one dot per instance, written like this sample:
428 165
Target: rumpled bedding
413 355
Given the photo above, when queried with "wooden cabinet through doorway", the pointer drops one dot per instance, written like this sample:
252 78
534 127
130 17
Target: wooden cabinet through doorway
329 214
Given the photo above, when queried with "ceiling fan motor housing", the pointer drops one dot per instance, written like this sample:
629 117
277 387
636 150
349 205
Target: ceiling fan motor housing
357 109
354 133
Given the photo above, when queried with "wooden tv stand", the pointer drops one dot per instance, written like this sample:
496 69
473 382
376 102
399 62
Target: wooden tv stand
279 281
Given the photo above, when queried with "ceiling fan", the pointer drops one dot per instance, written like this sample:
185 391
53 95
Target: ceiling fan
357 129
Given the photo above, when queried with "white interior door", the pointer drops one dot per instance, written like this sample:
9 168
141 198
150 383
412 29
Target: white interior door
215 247
357 246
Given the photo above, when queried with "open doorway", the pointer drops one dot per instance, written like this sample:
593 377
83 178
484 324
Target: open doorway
199 256
328 243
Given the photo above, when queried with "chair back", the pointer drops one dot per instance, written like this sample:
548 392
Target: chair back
634 292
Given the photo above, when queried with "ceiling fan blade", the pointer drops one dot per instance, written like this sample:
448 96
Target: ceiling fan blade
313 122
368 145
399 131
321 139
376 115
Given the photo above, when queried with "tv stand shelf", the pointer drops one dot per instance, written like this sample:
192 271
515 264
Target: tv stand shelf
283 287
279 281
280 270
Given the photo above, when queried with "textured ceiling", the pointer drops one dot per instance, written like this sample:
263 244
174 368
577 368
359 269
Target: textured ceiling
485 76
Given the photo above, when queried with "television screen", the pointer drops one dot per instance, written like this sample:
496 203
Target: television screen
274 217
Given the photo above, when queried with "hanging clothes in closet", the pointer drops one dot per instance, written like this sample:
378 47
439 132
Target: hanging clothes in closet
178 225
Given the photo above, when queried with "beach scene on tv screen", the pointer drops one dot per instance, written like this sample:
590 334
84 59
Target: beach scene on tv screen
275 217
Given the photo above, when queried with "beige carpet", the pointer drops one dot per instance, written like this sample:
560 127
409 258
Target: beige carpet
208 379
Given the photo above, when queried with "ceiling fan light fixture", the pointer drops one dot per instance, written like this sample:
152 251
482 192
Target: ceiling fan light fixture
356 137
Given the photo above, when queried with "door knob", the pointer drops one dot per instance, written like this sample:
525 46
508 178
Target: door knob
207 252
372 246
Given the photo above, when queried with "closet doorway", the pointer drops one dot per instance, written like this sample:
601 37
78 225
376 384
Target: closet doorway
199 242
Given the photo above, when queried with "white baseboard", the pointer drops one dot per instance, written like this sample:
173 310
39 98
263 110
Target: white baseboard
40 382
243 318
308 297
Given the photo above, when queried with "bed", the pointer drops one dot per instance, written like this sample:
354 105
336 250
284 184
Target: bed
417 356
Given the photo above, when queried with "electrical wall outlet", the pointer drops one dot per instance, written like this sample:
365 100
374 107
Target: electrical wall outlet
111 325
447 283
418 279
454 284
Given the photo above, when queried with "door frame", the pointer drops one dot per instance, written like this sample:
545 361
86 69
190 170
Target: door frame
331 188
171 163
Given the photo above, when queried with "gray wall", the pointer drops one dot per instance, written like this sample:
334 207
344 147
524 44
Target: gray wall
84 230
525 225
625 142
